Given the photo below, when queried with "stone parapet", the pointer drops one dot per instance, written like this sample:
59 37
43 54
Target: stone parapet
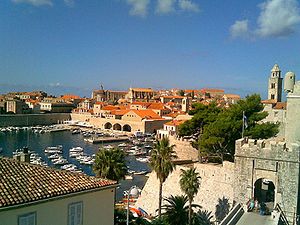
267 149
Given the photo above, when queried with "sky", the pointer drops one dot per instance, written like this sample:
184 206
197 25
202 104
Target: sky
74 46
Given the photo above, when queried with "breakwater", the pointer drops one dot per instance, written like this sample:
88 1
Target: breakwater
33 119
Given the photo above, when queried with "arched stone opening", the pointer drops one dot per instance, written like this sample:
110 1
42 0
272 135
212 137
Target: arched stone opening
127 128
264 190
107 126
117 127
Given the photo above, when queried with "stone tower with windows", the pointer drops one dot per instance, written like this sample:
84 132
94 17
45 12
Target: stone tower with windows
269 170
275 84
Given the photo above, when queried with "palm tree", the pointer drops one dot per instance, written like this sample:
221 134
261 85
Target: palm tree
190 184
203 218
222 208
110 164
176 210
161 162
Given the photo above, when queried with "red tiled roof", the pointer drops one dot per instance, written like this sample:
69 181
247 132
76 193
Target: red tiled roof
232 96
175 122
119 112
175 96
146 114
269 101
211 90
24 183
67 97
280 105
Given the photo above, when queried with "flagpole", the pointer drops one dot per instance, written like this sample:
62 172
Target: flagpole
243 124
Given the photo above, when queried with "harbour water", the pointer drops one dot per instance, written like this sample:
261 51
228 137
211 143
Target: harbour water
10 141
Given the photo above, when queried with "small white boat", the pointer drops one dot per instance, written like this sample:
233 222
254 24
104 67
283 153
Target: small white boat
128 177
108 147
122 145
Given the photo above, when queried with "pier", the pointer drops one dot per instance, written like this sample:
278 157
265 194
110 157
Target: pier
106 139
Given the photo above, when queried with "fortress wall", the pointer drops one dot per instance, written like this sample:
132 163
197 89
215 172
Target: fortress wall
271 160
184 149
216 182
33 119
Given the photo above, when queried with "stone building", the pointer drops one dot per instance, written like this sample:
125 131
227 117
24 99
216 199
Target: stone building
269 169
108 95
275 84
32 194
140 94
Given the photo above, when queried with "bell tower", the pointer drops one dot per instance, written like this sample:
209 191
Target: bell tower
275 84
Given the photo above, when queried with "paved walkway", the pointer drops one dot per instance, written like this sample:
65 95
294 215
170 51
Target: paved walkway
256 219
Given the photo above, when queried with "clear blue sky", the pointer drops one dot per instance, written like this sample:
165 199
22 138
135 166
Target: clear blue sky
75 45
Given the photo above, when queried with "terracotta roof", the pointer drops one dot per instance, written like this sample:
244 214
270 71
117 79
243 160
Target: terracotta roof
119 112
99 103
174 96
22 183
109 107
146 114
269 101
156 106
280 105
175 122
70 97
146 104
233 96
143 89
211 90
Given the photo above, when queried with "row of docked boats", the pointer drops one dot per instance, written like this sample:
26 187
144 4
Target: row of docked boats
34 129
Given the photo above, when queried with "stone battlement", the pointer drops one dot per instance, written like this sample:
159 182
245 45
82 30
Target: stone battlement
268 148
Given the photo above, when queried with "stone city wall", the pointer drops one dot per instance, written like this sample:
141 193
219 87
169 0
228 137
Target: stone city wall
271 160
216 182
33 119
184 149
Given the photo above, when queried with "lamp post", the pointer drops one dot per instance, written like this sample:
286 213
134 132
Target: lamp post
134 192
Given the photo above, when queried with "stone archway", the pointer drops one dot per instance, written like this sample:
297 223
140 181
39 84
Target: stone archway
117 126
127 128
107 125
264 190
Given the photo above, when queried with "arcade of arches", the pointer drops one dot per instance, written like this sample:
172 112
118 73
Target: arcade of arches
117 126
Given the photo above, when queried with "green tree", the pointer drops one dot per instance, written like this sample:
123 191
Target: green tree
190 184
222 209
176 210
219 136
202 217
110 164
181 92
161 161
202 115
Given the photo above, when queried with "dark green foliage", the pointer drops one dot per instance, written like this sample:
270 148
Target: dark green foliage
181 92
202 218
176 210
219 136
121 216
162 157
262 131
202 115
110 164
190 184
222 209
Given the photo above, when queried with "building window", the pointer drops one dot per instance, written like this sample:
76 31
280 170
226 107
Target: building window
75 214
272 85
27 219
272 96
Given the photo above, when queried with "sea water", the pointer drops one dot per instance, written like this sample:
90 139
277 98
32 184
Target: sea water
10 141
